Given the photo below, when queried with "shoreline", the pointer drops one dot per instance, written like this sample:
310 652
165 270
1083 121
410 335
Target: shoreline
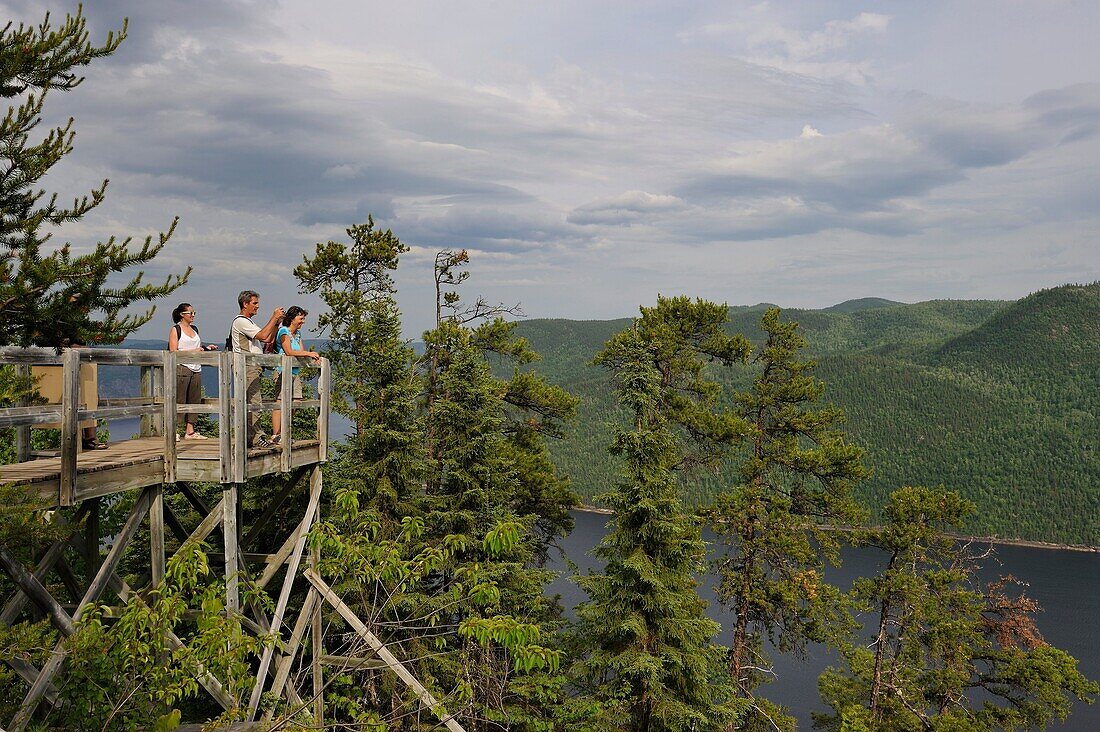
1027 543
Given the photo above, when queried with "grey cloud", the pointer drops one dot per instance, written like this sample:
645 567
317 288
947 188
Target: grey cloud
626 208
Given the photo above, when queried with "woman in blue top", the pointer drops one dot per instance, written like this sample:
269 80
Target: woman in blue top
288 340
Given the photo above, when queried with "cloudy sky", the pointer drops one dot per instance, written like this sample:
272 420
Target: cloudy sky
593 154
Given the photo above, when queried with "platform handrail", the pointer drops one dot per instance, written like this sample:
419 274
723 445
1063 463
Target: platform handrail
157 404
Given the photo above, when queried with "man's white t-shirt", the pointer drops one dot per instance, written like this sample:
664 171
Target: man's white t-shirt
243 336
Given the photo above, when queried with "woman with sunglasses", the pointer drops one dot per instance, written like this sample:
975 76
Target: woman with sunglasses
288 340
184 336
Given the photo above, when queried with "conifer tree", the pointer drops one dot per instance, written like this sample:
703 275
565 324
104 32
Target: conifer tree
795 486
50 297
946 654
651 661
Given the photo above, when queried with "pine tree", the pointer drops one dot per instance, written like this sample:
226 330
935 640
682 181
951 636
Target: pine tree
946 653
795 486
53 297
651 663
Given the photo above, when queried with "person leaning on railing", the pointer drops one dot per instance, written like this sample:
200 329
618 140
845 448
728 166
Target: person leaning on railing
184 336
289 341
247 337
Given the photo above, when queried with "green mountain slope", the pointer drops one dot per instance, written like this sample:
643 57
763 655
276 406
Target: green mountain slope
996 400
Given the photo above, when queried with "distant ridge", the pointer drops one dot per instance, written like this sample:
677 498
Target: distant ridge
999 400
862 303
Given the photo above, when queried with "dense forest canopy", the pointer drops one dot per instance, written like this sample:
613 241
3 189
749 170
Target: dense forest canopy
997 400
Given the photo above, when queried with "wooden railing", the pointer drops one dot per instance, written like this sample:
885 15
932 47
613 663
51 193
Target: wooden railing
156 405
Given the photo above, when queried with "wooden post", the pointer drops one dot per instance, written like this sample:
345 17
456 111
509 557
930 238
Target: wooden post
240 418
302 534
287 398
324 387
318 643
156 536
168 389
229 532
147 429
23 434
70 425
225 421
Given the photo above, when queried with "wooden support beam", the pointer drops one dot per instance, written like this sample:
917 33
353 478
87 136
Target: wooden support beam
272 507
70 426
46 562
286 659
156 536
353 663
194 499
277 560
95 589
288 582
174 524
34 590
168 389
380 648
229 536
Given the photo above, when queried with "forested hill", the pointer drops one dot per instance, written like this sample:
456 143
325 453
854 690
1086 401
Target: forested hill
998 400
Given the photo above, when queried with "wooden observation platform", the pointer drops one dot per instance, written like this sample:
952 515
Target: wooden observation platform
151 464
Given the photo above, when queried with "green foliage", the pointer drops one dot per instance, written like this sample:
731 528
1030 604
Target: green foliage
796 479
446 502
51 297
130 672
647 658
947 654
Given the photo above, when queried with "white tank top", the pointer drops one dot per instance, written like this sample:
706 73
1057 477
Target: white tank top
189 343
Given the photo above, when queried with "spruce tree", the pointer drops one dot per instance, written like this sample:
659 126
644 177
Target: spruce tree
777 522
650 659
53 297
946 653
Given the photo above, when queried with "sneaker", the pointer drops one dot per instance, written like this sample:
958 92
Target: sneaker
196 436
276 440
262 442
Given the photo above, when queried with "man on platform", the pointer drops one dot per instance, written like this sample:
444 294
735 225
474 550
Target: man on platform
247 337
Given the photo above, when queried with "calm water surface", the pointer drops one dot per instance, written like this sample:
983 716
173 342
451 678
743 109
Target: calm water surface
1065 583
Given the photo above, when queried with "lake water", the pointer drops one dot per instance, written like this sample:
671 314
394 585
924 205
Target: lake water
1065 583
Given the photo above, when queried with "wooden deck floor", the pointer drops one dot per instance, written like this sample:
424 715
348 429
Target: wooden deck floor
139 462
